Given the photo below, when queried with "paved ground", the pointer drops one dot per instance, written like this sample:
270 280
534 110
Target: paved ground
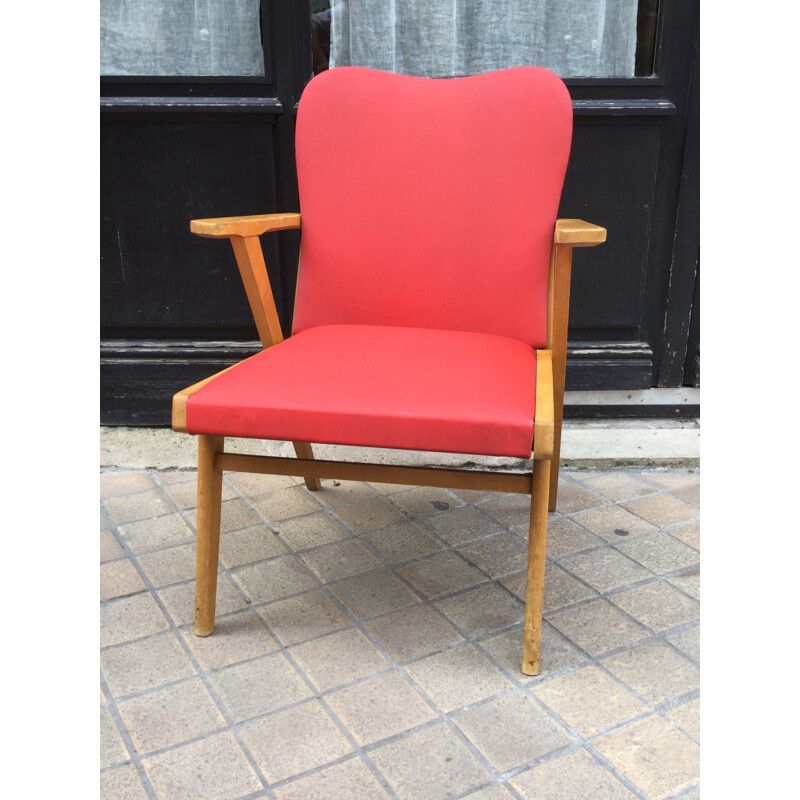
369 638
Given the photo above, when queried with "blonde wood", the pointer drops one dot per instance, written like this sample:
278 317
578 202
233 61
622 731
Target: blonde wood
560 278
544 422
304 451
209 504
253 269
519 483
537 545
254 225
180 399
255 278
577 233
542 483
568 233
243 233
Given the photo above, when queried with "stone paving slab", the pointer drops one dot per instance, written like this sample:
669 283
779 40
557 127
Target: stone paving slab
369 638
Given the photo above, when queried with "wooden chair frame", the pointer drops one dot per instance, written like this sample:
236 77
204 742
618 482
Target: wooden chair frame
541 482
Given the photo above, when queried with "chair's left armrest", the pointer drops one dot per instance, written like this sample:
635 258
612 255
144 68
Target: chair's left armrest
544 421
577 233
254 225
243 233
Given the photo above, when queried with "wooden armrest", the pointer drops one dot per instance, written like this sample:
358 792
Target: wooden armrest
544 423
254 225
577 233
243 233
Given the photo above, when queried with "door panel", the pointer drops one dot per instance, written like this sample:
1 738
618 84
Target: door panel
158 173
173 310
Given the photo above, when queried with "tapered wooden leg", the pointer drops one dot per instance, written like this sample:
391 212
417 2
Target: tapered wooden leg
209 506
537 543
553 488
303 450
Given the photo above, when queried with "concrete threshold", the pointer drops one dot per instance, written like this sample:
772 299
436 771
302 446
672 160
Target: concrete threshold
584 444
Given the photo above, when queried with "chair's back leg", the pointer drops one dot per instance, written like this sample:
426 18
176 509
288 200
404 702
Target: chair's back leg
303 450
209 508
537 546
552 498
558 318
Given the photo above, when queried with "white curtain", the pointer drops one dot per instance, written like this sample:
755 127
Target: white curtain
445 38
180 37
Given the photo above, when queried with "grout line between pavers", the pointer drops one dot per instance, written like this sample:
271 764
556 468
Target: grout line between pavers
546 758
582 743
447 547
611 593
133 754
429 601
393 569
595 659
359 750
684 792
680 629
446 717
657 490
399 668
601 542
620 776
341 760
474 640
580 740
653 708
586 741
231 726
677 703
495 782
358 624
175 630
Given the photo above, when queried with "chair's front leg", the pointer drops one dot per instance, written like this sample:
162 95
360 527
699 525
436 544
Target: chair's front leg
537 545
209 508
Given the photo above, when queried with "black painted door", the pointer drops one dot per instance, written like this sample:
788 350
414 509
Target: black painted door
172 149
634 169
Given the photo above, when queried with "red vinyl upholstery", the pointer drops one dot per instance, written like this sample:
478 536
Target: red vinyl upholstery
430 203
379 386
428 213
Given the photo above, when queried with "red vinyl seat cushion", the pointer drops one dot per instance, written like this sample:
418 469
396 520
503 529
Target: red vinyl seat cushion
376 386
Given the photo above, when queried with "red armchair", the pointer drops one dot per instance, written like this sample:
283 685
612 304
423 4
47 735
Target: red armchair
432 298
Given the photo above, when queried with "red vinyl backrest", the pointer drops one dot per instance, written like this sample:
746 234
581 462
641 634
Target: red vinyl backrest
430 203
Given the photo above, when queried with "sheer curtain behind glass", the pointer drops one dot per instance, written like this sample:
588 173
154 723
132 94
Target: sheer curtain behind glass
180 37
444 38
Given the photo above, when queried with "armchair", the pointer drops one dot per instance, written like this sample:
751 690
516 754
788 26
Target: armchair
432 299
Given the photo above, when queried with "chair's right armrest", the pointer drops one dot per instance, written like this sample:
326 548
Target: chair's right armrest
577 233
254 225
